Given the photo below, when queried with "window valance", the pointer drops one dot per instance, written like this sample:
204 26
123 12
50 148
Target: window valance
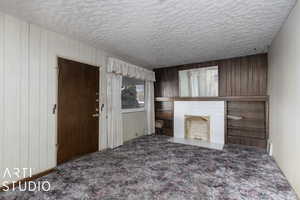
126 69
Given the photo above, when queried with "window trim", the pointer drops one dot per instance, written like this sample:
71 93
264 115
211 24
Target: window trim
132 110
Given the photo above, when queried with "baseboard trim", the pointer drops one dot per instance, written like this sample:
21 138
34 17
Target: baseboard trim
33 177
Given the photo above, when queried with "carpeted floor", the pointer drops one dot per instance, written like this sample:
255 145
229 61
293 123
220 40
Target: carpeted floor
150 167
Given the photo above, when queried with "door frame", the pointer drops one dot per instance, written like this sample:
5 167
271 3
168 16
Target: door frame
56 100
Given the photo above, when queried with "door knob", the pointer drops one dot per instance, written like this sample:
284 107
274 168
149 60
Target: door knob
95 115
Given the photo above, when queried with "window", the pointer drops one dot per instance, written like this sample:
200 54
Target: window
200 82
133 95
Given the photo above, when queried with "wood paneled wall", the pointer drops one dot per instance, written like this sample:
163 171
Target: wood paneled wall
246 76
243 76
167 82
239 78
28 81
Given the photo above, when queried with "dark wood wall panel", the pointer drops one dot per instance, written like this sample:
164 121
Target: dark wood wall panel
252 126
164 113
244 76
166 84
240 79
247 141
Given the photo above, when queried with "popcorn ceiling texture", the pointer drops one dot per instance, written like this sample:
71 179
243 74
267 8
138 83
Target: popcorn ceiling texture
154 33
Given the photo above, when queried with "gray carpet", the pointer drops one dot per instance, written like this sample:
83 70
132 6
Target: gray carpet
150 167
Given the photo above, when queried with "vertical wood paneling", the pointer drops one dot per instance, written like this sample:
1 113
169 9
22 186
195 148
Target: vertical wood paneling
51 95
222 79
53 51
28 91
34 98
24 104
244 76
43 79
263 76
14 35
249 72
101 62
166 84
2 114
11 96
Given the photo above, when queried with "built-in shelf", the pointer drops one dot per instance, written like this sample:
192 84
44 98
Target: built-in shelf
163 99
233 98
251 129
247 128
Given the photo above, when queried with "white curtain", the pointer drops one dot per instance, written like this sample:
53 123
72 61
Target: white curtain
116 69
149 105
199 82
114 108
126 69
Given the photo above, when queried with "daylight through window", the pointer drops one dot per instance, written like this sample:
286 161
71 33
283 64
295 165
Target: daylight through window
200 82
133 95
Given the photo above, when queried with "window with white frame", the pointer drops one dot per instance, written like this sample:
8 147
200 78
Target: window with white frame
200 82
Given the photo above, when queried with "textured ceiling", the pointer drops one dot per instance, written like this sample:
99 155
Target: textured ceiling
155 33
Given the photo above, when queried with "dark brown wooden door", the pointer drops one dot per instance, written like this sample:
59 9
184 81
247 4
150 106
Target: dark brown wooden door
78 123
